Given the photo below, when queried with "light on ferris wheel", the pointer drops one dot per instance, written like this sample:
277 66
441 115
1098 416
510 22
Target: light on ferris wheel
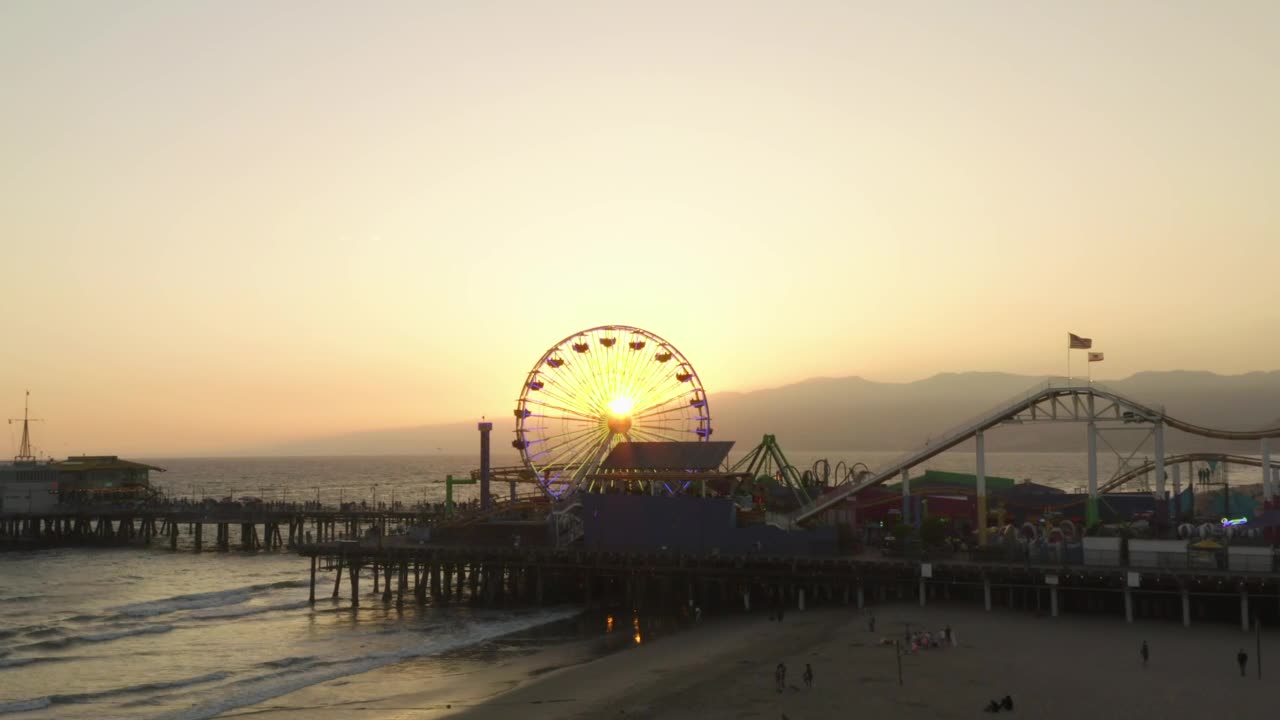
621 406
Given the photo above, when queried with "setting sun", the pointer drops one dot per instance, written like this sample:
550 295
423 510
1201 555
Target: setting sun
621 406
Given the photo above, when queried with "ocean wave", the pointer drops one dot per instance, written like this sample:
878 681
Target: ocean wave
18 706
41 703
300 674
289 661
199 601
218 614
6 663
71 640
43 631
21 598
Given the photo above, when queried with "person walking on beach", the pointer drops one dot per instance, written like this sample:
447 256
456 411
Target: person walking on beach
1243 658
780 677
1146 653
808 676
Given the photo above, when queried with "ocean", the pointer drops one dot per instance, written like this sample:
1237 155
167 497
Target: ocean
149 633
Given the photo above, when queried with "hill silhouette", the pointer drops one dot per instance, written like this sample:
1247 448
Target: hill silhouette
853 413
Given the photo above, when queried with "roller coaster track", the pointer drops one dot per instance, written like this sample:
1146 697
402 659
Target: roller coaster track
1150 466
1058 400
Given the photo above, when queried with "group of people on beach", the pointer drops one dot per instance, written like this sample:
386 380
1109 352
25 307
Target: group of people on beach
1242 657
780 677
995 706
925 640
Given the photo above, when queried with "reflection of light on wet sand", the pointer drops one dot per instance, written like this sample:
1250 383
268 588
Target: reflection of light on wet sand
635 623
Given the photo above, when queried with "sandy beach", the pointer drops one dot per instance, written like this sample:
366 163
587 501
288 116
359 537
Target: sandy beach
1053 668
1067 667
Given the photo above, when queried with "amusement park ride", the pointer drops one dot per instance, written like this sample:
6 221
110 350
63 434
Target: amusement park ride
607 386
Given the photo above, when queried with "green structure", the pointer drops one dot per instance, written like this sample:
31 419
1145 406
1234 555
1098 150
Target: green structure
964 482
766 461
449 482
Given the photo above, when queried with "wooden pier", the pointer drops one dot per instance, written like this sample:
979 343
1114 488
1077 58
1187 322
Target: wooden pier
232 528
405 572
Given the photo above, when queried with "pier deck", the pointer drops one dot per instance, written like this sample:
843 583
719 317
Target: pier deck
667 581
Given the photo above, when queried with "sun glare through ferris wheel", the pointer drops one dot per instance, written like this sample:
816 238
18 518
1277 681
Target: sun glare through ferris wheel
598 388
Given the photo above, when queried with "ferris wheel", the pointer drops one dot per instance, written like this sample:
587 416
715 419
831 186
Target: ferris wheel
598 388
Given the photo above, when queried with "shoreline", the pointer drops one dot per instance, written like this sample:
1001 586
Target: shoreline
1053 668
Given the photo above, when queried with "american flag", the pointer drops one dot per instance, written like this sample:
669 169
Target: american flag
1095 357
1075 342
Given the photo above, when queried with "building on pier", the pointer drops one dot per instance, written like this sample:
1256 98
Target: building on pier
103 476
28 487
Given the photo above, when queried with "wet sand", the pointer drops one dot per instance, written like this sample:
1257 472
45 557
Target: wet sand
1067 667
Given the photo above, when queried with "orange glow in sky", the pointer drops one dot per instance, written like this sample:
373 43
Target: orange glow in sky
229 224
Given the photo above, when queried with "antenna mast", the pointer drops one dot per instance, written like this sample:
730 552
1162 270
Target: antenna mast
24 450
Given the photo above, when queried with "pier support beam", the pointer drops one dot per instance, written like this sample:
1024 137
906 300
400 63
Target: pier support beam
1267 490
313 579
906 496
1160 505
986 593
1186 607
922 589
1128 603
1053 601
1244 609
486 501
980 450
800 599
1175 502
1091 508
862 599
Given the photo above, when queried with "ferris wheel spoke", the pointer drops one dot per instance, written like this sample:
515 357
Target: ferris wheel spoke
653 372
664 397
581 386
636 362
592 463
552 448
664 409
664 385
597 361
564 396
567 452
577 414
571 435
651 433
585 457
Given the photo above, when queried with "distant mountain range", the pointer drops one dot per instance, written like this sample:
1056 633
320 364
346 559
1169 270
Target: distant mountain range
855 414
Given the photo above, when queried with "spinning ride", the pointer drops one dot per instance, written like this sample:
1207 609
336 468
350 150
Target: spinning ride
598 388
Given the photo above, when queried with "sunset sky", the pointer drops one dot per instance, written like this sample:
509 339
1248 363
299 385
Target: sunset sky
229 223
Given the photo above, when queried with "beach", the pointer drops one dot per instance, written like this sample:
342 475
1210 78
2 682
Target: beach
1067 667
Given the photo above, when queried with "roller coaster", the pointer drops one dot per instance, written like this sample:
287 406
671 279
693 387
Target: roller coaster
1057 400
1150 466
